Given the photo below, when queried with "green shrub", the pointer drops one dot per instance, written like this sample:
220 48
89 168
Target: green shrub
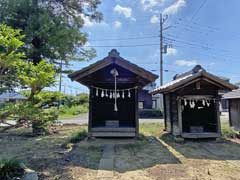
40 119
11 169
74 110
80 99
228 132
78 136
45 119
75 137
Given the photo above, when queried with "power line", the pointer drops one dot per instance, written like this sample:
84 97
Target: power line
134 45
198 10
186 28
192 40
205 29
195 13
212 28
125 38
189 44
216 56
201 46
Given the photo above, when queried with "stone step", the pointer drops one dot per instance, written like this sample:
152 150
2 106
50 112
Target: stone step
113 134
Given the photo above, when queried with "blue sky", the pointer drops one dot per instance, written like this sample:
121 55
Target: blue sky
205 32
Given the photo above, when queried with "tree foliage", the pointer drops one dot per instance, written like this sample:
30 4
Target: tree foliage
35 77
52 27
25 74
10 42
80 99
11 169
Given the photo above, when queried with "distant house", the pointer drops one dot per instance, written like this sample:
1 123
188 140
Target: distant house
144 100
191 103
11 97
233 98
147 100
224 103
149 105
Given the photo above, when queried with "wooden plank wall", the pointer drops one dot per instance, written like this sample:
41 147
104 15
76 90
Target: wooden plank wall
174 114
90 112
136 113
234 113
168 112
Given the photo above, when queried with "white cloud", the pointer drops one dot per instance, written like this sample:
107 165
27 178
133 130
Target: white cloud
117 24
87 44
126 11
154 19
174 8
149 4
89 23
185 62
171 51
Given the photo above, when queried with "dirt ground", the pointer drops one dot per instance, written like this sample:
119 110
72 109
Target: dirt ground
48 157
164 159
155 157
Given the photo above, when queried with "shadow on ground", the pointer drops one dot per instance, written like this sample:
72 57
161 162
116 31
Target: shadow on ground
77 163
141 155
46 154
205 149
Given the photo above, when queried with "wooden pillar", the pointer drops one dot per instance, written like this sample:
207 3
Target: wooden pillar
170 112
230 112
136 112
179 115
90 112
218 116
164 113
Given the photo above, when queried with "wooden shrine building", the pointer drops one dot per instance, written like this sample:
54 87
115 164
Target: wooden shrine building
191 103
233 98
113 104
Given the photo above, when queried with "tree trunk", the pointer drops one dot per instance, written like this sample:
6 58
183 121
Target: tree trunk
36 55
38 129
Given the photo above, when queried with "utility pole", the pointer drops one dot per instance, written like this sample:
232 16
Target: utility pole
60 82
162 51
60 78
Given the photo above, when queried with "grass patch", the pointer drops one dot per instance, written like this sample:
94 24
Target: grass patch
143 138
74 138
11 169
227 131
74 111
152 129
157 130
78 136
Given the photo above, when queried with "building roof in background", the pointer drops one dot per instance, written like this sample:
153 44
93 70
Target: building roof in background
12 95
196 73
235 94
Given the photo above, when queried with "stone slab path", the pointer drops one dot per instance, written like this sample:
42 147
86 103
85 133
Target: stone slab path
106 165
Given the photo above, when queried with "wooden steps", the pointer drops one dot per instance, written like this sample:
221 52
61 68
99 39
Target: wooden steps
201 135
113 132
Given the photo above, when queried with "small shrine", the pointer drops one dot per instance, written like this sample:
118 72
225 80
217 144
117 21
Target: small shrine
113 83
191 103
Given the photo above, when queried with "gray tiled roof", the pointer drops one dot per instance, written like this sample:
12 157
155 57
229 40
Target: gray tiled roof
184 78
232 95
